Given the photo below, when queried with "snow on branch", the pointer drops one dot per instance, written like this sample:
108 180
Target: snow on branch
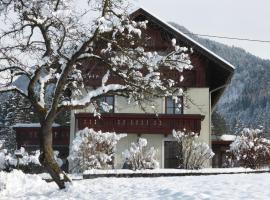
54 44
91 94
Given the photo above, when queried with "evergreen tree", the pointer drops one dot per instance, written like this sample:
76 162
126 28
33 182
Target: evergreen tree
13 111
219 124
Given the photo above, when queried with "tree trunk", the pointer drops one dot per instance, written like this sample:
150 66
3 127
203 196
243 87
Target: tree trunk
47 156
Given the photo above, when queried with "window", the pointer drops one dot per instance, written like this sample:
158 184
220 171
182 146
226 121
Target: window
106 101
172 107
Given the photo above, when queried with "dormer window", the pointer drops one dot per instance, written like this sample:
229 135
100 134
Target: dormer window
173 107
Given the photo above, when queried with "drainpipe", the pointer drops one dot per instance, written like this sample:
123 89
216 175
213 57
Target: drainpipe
210 113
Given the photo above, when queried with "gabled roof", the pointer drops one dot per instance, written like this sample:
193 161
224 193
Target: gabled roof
221 70
200 48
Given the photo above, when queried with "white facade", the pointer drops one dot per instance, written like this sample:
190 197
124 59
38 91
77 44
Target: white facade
197 102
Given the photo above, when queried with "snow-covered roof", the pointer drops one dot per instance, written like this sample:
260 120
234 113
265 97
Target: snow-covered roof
226 137
195 43
31 125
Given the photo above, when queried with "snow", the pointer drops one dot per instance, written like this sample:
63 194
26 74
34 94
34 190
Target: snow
93 150
18 186
94 93
139 156
174 171
189 38
226 137
31 125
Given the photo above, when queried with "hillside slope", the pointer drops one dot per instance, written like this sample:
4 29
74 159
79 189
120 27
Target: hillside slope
246 102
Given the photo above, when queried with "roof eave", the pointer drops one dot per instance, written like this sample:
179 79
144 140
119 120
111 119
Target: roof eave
200 48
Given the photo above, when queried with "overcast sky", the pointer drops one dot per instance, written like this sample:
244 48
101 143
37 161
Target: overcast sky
233 18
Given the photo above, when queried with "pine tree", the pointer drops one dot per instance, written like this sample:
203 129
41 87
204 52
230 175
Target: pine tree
220 126
14 110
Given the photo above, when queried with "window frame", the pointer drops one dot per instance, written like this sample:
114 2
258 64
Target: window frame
174 106
105 97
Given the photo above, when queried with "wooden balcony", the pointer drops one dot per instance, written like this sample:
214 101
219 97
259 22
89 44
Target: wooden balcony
29 136
139 123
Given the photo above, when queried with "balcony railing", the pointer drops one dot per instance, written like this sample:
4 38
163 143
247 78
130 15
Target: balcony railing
27 136
139 123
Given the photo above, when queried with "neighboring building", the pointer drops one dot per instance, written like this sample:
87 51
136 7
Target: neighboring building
204 85
27 136
220 145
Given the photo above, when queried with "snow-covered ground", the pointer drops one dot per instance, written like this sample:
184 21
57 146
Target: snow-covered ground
177 171
17 185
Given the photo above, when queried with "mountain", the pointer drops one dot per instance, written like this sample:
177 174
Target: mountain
246 101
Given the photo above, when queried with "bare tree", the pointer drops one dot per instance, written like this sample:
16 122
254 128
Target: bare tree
50 41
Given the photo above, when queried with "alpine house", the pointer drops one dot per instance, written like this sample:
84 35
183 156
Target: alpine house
204 85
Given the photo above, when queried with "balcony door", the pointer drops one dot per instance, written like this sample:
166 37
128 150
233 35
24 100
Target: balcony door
171 152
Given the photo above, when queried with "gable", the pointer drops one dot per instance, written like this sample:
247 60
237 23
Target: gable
210 70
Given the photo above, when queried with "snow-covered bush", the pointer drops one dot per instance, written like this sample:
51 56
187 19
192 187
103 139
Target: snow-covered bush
93 149
2 155
140 157
18 159
193 154
21 159
250 149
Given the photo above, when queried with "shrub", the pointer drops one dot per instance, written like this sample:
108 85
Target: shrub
193 154
140 157
250 149
22 160
93 150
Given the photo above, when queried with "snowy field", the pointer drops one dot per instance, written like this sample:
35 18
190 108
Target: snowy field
16 185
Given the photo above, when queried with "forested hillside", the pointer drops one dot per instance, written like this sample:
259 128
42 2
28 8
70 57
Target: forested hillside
246 102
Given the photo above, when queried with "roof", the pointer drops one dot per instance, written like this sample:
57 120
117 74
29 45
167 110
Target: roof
31 125
221 70
191 41
224 137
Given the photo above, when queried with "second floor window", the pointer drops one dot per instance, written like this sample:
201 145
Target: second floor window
106 104
173 107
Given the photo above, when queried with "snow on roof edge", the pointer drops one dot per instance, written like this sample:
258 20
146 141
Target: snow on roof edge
227 137
187 37
31 125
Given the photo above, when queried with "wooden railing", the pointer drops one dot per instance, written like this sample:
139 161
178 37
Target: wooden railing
30 136
140 123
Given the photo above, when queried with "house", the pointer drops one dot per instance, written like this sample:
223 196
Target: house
204 85
27 136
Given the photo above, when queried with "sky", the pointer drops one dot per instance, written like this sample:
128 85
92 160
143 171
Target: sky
232 18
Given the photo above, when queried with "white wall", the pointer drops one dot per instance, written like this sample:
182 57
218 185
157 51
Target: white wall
197 102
